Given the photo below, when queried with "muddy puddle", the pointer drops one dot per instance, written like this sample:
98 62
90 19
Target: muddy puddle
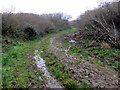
51 82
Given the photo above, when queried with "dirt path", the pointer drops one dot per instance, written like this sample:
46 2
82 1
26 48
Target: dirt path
96 75
84 70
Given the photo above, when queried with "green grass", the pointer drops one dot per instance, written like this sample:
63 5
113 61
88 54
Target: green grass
106 56
75 50
60 72
80 51
18 71
66 44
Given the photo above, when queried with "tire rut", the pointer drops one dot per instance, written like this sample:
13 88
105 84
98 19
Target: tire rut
50 81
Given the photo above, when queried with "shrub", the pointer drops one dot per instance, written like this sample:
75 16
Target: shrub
102 23
28 25
30 33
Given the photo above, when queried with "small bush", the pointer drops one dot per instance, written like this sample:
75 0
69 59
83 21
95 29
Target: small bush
30 33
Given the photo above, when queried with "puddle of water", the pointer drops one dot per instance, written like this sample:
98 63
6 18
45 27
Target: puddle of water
52 83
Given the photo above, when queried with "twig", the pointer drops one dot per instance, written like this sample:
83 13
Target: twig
115 31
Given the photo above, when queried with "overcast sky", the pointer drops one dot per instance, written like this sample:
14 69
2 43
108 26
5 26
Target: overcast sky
71 7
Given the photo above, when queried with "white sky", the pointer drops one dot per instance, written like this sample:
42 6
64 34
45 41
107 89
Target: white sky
71 7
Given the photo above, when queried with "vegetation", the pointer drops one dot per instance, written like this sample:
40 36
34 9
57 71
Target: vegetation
58 69
101 24
108 57
18 71
99 34
28 26
97 41
62 74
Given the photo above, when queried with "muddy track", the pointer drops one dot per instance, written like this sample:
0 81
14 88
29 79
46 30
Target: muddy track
50 81
96 75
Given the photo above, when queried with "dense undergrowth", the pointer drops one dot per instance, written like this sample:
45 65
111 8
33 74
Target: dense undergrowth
28 26
101 24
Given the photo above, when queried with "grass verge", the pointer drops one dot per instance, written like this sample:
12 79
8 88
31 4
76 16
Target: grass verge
18 71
